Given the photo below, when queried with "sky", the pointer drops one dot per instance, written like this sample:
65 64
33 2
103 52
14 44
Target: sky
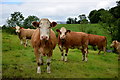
54 10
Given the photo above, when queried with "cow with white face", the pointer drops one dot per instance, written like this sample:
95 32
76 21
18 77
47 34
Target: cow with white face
63 33
69 39
24 34
43 41
18 29
115 44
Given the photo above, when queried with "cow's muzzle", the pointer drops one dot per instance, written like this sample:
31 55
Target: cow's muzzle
44 38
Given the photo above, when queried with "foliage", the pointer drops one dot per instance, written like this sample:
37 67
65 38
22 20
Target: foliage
27 22
16 19
70 21
109 19
82 20
8 30
94 16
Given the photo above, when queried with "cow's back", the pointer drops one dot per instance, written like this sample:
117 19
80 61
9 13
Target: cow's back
96 40
26 33
74 39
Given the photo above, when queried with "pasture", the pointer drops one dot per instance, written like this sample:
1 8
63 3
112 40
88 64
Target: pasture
19 62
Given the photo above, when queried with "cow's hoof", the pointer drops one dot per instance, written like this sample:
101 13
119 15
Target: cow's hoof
38 72
83 59
48 72
41 64
66 61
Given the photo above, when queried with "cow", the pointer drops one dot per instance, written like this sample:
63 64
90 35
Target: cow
24 34
43 41
99 41
115 44
69 39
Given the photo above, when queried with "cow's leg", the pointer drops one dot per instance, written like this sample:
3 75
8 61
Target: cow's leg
29 42
62 53
41 60
83 54
66 54
104 49
24 40
99 52
48 64
37 55
21 41
86 54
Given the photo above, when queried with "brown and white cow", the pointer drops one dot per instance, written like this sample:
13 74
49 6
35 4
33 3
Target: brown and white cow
99 41
43 41
24 34
116 45
68 39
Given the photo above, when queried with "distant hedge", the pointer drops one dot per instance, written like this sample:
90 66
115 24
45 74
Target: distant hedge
8 30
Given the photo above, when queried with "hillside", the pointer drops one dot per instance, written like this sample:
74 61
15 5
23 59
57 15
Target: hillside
19 62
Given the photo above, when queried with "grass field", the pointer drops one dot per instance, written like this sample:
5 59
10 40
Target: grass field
19 62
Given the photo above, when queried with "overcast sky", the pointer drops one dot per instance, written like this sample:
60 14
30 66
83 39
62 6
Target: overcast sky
55 10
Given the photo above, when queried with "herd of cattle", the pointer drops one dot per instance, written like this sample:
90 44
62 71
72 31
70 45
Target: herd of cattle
44 40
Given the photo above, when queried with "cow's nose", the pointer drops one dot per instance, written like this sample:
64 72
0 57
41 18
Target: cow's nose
44 37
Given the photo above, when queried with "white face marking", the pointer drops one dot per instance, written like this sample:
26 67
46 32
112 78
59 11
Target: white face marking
44 29
17 29
63 31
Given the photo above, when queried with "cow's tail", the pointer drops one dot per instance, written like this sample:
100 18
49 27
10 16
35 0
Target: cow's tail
105 45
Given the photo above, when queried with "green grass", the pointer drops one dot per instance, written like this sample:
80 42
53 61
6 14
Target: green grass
19 62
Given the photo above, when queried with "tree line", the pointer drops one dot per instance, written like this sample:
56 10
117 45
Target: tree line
17 19
109 19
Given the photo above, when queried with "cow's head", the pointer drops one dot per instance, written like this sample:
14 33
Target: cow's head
63 32
18 29
45 26
114 43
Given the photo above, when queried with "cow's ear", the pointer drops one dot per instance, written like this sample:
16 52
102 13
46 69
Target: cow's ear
13 27
57 30
116 41
68 31
35 24
53 24
21 28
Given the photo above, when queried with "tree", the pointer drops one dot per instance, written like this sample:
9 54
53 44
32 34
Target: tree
16 19
118 3
27 22
94 15
70 21
111 21
75 20
83 19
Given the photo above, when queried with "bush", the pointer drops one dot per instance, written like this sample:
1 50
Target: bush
8 30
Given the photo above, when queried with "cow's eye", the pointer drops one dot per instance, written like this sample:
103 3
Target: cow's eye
40 23
60 32
49 27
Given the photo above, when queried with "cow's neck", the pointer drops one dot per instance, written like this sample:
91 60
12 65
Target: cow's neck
19 34
45 44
